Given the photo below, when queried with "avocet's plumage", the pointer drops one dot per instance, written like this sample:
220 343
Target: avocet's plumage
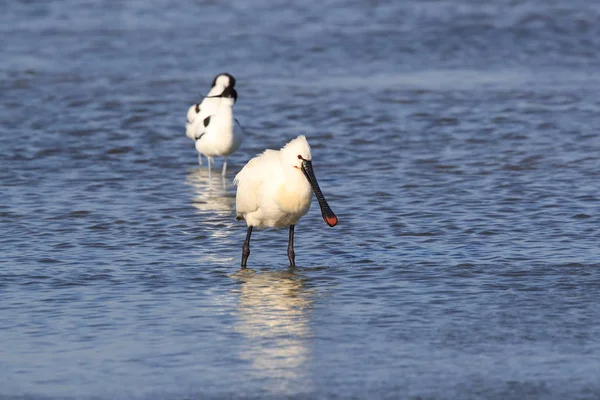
218 134
198 112
275 190
191 121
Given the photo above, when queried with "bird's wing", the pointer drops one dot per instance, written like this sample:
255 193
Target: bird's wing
191 114
208 107
250 180
190 125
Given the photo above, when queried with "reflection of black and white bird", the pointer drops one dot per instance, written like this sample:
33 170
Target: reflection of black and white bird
199 111
217 134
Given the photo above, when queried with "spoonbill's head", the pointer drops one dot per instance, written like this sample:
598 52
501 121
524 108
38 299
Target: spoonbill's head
295 151
296 154
224 79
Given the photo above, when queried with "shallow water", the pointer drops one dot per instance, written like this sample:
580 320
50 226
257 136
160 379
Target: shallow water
457 142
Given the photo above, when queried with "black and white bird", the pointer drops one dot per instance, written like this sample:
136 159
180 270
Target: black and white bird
198 112
217 134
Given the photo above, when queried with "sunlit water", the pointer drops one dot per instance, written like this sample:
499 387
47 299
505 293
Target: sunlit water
457 141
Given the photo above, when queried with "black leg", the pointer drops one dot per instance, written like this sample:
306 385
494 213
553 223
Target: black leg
246 248
291 254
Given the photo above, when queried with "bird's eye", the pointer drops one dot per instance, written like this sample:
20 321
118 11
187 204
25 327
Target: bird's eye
299 157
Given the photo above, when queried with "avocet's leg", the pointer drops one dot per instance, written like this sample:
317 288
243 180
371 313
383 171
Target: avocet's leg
246 248
291 254
210 162
224 171
199 159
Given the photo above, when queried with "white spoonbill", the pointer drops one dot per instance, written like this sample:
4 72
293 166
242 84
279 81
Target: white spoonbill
199 111
274 191
218 134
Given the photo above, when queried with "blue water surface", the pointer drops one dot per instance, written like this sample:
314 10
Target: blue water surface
457 141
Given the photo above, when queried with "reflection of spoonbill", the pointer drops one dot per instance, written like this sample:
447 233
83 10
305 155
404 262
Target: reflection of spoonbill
277 350
199 111
274 190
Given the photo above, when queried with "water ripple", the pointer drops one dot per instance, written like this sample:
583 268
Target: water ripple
454 140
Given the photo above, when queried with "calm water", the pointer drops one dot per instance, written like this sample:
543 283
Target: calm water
457 141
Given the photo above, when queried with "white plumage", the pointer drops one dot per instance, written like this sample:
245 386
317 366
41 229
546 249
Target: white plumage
275 190
221 136
191 121
271 192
